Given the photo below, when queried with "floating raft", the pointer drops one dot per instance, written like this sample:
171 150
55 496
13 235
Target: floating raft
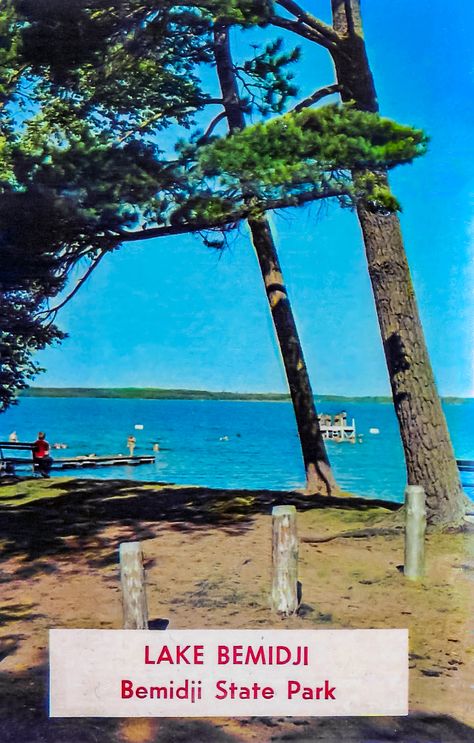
112 460
337 430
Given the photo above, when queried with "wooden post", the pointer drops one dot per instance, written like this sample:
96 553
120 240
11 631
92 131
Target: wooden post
415 528
132 578
284 560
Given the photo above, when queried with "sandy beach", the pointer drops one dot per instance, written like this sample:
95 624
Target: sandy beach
207 558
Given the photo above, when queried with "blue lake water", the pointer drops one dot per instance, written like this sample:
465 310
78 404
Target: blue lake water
261 450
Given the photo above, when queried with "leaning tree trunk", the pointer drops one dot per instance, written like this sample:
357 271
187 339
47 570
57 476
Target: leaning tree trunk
319 476
429 454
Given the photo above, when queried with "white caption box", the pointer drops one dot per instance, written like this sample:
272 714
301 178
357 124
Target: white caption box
213 673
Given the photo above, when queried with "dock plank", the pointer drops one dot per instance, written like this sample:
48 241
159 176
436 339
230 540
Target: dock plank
112 460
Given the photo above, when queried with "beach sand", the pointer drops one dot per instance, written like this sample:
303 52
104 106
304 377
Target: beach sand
207 558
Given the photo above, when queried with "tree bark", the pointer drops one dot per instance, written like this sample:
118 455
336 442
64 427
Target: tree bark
319 476
429 455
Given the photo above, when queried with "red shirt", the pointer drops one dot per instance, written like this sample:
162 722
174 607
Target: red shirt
41 448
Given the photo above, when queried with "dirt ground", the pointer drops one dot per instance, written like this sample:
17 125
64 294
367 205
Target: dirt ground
207 557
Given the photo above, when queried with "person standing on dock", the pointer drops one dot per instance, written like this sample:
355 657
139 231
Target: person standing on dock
131 442
41 457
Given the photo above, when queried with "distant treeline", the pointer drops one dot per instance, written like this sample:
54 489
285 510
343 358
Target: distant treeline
154 393
149 393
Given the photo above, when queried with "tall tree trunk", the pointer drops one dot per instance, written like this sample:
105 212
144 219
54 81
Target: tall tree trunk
319 476
429 454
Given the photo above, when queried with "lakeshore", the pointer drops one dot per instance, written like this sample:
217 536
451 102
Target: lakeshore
59 563
225 443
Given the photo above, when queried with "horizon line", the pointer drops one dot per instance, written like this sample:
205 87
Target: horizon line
214 393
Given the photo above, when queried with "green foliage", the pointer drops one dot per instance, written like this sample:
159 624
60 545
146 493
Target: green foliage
135 67
314 146
86 83
61 35
239 12
112 60
9 44
89 156
205 206
10 70
372 187
90 188
100 91
21 334
266 81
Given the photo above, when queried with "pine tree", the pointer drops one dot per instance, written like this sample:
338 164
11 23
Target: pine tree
90 162
319 476
429 455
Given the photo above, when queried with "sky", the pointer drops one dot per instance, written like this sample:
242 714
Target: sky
172 313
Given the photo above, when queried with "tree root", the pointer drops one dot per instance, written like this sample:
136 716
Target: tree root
355 534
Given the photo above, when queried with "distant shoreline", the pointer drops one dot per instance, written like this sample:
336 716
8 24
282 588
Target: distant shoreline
155 393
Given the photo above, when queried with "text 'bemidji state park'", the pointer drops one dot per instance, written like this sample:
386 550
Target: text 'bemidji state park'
225 655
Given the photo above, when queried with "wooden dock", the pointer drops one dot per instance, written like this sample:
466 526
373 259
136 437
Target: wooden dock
466 465
9 464
111 460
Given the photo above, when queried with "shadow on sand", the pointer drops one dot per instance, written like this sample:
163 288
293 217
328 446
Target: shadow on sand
67 515
55 522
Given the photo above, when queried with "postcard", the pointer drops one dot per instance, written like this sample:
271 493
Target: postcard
236 450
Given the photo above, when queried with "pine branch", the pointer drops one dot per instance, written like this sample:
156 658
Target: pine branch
15 76
310 20
232 218
215 121
140 127
305 197
316 96
169 230
157 117
247 87
302 29
52 312
10 85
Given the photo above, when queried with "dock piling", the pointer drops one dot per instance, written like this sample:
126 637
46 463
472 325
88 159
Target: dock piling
284 560
415 529
132 579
